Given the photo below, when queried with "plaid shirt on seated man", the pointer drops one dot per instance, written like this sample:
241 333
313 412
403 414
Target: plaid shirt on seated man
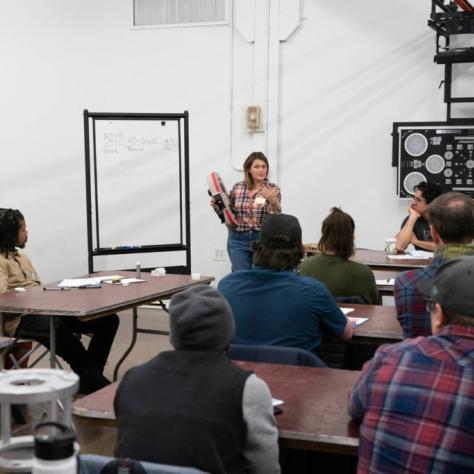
415 400
452 229
411 307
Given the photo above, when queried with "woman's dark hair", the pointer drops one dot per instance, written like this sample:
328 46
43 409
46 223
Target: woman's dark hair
277 259
337 234
256 155
10 223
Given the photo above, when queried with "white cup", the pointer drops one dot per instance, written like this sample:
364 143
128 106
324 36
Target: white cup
159 272
390 246
195 276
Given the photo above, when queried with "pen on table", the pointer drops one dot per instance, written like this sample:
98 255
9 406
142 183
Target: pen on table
45 288
84 287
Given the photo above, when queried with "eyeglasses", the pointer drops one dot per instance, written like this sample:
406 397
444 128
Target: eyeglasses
418 199
429 304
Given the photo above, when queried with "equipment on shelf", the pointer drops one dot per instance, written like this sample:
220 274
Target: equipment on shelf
441 153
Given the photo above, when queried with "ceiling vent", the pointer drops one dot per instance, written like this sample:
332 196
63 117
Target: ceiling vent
150 13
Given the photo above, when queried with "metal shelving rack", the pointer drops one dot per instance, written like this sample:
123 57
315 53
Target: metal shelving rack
449 18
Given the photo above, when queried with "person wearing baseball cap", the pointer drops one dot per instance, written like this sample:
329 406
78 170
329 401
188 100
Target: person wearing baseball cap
192 406
415 399
272 304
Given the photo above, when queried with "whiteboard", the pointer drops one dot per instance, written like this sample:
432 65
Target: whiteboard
138 183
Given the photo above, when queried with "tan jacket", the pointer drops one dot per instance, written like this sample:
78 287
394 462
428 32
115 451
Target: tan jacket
16 270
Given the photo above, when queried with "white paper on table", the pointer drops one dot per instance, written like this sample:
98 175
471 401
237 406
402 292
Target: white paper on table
123 280
357 321
386 282
405 256
131 280
421 254
77 282
346 310
276 402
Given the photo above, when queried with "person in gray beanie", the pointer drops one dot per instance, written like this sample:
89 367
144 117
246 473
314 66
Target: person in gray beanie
200 319
193 406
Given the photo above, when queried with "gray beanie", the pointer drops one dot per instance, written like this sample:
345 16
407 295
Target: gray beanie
200 319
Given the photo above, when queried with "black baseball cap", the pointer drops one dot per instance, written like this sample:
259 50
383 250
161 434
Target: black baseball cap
281 231
452 286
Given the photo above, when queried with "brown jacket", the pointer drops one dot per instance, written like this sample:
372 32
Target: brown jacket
16 270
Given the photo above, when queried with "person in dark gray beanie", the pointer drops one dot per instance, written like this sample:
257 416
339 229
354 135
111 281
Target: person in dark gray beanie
193 406
200 318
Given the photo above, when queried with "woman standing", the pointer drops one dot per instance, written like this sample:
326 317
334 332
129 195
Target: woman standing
252 199
342 276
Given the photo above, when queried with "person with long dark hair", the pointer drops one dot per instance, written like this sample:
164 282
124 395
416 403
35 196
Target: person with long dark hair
343 277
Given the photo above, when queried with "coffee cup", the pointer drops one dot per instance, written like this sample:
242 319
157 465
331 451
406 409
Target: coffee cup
390 246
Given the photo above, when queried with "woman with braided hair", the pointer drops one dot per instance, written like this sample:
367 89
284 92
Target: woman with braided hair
17 271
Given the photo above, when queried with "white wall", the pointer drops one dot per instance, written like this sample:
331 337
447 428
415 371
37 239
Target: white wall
345 75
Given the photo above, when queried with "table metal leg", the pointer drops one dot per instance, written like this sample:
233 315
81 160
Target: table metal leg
132 343
52 342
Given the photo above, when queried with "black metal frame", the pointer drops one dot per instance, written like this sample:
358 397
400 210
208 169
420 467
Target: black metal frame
183 128
447 20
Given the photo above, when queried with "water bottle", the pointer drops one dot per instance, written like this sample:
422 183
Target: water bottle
54 449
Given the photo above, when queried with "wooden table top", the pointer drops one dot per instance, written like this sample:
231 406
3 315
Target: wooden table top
314 410
96 301
385 288
378 260
382 326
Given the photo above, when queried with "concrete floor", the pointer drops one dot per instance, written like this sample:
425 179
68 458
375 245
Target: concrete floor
147 345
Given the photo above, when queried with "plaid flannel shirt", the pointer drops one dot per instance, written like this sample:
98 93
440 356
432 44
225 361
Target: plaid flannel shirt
248 210
415 400
411 308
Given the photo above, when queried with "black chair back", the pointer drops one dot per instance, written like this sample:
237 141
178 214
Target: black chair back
274 355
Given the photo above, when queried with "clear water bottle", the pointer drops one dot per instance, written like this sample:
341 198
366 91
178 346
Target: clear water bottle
54 449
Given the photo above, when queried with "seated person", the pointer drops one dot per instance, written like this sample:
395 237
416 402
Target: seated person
274 305
341 276
452 229
415 399
415 228
193 406
17 271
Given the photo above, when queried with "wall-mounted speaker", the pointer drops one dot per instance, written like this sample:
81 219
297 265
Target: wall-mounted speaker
441 153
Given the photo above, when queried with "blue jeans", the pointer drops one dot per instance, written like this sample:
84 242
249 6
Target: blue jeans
239 248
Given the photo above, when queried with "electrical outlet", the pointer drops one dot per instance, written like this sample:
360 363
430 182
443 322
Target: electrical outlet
219 255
